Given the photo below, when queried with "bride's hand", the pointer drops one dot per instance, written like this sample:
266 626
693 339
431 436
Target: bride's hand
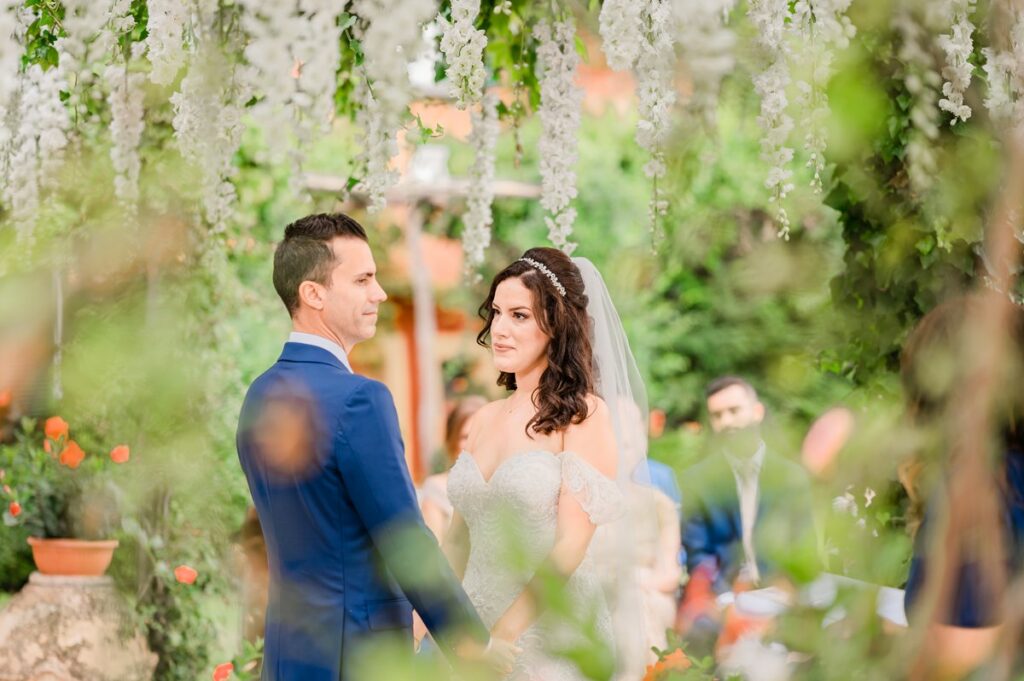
499 654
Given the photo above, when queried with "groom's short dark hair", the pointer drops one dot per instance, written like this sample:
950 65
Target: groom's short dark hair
304 253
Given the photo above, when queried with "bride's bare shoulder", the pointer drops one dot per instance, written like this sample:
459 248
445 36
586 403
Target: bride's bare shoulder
594 437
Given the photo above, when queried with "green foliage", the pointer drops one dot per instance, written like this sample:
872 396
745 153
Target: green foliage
726 296
905 251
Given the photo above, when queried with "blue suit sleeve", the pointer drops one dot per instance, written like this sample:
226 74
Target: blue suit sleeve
371 459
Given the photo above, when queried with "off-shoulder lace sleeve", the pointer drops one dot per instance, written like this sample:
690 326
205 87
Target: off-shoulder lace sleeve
599 496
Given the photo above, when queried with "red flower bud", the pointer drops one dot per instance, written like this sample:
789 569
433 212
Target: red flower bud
120 454
185 574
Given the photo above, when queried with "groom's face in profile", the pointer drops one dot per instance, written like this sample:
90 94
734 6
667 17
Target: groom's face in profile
350 302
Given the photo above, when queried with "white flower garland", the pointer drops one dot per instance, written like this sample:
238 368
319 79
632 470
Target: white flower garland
958 46
36 147
707 45
208 126
393 36
769 17
463 47
621 30
476 229
821 26
560 104
126 126
10 58
922 82
379 147
293 57
1005 74
639 34
655 71
165 42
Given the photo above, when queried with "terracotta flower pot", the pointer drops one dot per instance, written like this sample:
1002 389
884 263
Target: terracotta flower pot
72 557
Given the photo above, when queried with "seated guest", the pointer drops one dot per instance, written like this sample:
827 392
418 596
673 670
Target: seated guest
963 632
747 510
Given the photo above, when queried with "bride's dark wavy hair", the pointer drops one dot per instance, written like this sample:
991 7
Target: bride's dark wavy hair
561 396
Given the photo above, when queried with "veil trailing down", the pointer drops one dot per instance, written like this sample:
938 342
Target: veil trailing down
617 549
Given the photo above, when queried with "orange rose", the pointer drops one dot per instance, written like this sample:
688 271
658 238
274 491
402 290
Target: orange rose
120 454
185 574
72 455
222 671
5 398
56 428
15 509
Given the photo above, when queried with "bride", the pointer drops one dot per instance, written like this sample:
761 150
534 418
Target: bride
540 483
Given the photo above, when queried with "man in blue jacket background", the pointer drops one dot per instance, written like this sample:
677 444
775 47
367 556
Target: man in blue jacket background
348 552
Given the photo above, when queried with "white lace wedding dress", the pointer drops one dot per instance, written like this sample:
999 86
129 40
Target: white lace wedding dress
512 519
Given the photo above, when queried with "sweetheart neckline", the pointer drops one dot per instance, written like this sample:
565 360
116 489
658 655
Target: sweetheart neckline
487 481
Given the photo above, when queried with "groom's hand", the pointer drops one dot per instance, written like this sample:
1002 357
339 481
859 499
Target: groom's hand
499 654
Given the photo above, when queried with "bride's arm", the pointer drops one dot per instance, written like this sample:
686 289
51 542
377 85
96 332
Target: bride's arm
456 545
594 442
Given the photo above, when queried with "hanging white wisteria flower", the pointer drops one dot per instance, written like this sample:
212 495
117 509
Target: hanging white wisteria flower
379 147
82 23
476 223
621 31
208 126
293 57
463 47
36 147
922 82
1004 72
126 126
655 70
390 40
560 104
821 26
10 59
769 17
165 39
639 34
707 45
958 46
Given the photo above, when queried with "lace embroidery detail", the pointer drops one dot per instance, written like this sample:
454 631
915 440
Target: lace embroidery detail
600 497
512 520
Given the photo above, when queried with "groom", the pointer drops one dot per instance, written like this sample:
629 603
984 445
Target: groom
348 552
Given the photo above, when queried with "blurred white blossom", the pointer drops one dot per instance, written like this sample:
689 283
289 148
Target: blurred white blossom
208 126
958 46
393 37
707 45
126 126
165 38
769 18
476 223
560 103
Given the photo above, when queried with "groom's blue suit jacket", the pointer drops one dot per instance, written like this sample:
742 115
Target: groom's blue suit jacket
348 552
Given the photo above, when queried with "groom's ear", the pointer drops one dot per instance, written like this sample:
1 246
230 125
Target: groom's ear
312 294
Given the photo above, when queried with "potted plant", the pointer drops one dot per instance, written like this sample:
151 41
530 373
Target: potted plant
63 495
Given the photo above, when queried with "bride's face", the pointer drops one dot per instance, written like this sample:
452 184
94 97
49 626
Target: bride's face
517 342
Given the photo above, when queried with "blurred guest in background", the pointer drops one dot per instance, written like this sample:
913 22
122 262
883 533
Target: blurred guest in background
964 622
746 510
433 493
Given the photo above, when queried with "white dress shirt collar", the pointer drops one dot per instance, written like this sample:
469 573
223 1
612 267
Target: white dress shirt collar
321 342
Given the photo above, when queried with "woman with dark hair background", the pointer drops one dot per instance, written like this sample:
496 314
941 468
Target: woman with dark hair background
963 634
